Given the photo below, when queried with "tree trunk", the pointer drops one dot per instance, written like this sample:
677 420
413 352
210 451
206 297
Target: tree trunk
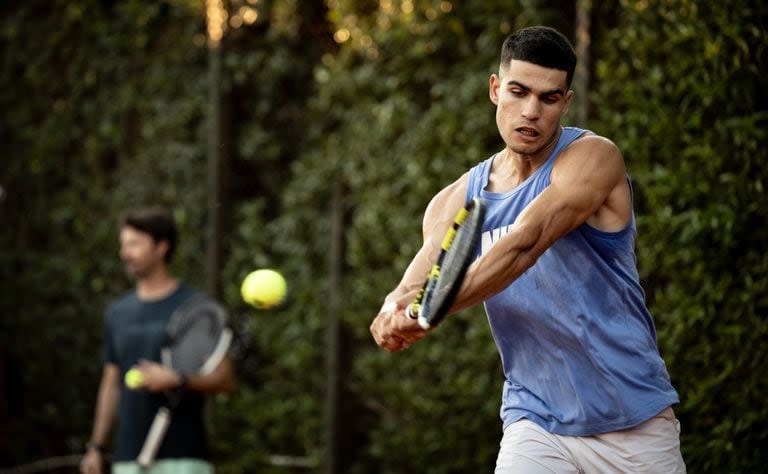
581 77
335 258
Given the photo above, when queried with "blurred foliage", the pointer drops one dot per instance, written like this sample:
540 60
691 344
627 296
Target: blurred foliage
99 112
684 87
394 120
104 107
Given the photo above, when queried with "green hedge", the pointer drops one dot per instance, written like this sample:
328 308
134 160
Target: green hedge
104 107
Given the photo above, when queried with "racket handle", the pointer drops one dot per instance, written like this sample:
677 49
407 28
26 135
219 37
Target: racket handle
154 437
424 323
412 310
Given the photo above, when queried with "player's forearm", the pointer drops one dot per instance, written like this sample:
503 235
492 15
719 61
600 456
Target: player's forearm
401 296
106 412
412 281
549 217
502 264
222 379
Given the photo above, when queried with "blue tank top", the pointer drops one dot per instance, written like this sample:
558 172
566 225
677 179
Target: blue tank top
577 343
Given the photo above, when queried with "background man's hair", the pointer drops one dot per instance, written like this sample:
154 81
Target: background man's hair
158 222
540 45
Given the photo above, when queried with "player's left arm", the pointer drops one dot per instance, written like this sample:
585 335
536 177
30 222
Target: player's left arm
158 378
588 183
392 329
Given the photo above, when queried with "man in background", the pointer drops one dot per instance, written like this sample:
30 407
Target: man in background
134 333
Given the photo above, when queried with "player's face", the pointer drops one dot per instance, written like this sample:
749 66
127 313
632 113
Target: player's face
139 252
530 101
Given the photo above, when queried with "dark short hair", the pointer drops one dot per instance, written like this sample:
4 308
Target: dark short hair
540 45
158 222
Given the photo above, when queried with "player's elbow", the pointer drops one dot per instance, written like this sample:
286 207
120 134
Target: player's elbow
229 385
228 382
225 379
528 259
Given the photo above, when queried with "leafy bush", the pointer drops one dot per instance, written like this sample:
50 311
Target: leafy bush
681 90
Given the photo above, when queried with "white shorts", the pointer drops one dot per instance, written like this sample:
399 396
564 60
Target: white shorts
651 447
165 466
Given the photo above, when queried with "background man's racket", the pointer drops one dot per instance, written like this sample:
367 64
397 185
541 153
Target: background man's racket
197 339
445 277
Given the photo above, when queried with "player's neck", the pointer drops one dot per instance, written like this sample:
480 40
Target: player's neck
156 285
510 169
520 166
525 164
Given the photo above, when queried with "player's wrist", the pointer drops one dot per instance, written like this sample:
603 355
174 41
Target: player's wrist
182 382
388 307
94 446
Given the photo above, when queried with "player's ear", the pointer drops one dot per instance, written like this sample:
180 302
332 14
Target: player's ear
162 248
493 88
568 97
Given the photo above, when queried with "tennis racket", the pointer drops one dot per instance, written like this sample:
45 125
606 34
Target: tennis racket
197 340
444 279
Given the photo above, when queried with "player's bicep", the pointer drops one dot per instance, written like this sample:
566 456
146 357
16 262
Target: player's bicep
440 213
438 217
110 374
580 184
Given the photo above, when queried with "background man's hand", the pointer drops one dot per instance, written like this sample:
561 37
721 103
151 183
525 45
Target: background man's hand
157 377
91 462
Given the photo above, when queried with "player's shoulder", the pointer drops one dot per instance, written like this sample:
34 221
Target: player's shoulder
190 296
450 197
125 303
187 294
591 143
587 151
125 299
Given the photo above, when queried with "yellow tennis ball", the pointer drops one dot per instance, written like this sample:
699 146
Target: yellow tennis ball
134 379
263 288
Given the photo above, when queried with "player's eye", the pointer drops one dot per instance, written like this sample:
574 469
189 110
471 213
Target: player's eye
550 99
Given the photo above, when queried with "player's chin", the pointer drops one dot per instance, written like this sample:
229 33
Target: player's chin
135 272
525 145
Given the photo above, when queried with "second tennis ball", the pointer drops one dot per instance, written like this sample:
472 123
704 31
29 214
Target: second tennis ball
133 379
263 288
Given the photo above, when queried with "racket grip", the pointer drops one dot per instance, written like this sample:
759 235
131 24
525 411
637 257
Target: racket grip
424 323
414 312
154 437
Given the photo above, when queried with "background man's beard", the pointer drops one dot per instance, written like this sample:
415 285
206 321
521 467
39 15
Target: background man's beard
135 273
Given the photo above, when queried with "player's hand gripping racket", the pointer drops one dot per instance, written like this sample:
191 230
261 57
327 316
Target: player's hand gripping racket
197 339
444 279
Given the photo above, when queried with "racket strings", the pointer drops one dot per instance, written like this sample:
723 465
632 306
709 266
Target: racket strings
205 319
193 335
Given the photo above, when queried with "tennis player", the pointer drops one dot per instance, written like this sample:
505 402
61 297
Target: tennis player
585 388
134 334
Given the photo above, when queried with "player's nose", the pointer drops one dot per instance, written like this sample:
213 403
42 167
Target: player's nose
531 108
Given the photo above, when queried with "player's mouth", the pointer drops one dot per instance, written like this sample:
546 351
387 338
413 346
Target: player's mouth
129 266
527 132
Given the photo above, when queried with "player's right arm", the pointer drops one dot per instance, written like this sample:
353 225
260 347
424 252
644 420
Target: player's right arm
392 329
588 184
159 378
106 411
